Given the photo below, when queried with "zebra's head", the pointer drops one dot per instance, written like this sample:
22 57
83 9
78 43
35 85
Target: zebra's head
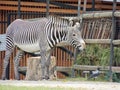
75 38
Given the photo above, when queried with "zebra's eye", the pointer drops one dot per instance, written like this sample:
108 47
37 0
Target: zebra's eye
74 34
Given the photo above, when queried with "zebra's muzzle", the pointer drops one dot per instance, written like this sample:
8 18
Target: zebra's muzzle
81 47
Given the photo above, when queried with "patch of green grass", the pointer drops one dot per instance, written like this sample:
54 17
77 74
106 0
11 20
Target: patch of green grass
100 79
75 79
9 87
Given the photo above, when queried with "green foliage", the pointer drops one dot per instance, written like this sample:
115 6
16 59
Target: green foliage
116 61
100 55
94 55
115 77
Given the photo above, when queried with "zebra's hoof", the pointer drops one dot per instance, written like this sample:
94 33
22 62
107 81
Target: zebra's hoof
3 78
45 78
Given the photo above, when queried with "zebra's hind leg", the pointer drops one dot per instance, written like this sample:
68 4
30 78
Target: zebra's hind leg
19 55
5 63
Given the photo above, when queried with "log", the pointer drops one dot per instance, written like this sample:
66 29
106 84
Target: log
95 14
34 68
89 67
116 42
97 41
102 41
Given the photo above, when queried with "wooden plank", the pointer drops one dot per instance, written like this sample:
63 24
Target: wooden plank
97 41
115 69
117 14
11 8
102 41
116 42
88 67
37 4
109 7
15 3
82 5
38 9
79 67
76 1
63 69
58 68
95 15
71 11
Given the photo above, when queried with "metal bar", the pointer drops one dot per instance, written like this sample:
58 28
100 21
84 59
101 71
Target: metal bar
112 38
19 12
8 19
75 52
79 7
93 5
8 67
74 62
84 8
47 8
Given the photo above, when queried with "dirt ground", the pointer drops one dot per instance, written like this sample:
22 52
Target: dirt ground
74 84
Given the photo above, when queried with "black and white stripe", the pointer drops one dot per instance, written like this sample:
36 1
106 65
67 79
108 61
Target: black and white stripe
56 30
40 35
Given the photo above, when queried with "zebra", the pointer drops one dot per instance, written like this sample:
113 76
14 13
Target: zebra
40 36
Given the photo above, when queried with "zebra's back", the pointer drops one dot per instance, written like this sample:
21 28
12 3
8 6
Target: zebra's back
26 34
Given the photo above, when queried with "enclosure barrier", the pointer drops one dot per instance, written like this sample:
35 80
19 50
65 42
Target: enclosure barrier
95 14
67 70
102 41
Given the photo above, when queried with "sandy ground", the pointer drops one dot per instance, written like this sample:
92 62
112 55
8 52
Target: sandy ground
74 84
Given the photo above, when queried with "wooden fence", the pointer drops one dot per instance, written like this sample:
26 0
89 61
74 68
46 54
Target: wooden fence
91 27
96 29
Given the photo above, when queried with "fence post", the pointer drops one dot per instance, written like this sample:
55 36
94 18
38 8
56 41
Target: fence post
84 8
93 5
47 8
79 7
19 13
76 51
8 67
112 38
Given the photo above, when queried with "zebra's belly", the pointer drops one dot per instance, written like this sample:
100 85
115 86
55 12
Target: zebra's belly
29 47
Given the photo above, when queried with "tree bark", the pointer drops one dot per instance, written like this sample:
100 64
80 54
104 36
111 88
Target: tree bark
34 68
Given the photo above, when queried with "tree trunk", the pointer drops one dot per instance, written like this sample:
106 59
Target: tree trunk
34 68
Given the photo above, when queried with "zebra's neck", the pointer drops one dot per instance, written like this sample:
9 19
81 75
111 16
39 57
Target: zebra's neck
58 37
56 30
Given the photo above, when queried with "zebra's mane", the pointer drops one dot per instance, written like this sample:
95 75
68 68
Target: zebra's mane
58 21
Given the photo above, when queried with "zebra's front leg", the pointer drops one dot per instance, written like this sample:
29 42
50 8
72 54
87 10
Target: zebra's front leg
16 63
45 61
48 65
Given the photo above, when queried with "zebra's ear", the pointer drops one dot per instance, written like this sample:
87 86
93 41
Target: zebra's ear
70 22
81 23
81 20
77 25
